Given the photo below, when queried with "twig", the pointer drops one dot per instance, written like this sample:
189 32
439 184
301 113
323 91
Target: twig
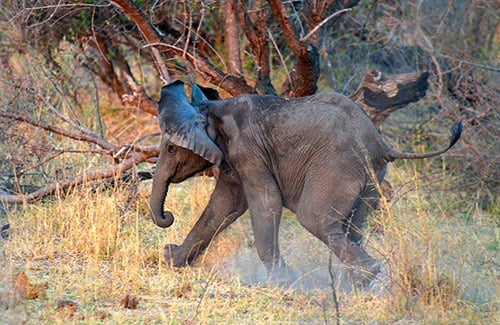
201 38
97 108
64 117
87 134
204 293
324 21
96 42
43 162
474 64
232 84
189 27
145 136
66 5
56 154
281 57
370 12
51 15
333 285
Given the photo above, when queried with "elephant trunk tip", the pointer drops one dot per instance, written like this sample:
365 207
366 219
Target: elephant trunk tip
165 220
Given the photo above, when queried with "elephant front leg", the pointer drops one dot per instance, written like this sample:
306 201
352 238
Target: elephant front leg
226 204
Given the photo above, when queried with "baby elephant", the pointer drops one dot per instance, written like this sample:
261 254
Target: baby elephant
318 156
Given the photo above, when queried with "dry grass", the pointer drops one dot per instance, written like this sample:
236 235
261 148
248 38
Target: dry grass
440 251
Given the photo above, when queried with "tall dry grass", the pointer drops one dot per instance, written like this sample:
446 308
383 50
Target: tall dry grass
440 255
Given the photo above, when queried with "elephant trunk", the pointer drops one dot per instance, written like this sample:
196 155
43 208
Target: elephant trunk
161 182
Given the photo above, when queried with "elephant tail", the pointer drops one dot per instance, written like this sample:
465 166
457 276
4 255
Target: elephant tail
455 133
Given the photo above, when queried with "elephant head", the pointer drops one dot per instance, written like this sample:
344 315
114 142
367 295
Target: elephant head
185 148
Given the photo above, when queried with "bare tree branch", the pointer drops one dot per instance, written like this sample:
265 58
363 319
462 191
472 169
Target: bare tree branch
139 98
282 59
235 85
64 117
44 125
323 22
57 153
128 90
289 32
306 73
41 163
474 64
52 188
147 31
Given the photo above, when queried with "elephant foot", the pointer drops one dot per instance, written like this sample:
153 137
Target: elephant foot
282 276
380 283
174 255
362 277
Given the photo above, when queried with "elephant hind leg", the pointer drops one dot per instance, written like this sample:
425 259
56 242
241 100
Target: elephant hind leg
366 202
328 220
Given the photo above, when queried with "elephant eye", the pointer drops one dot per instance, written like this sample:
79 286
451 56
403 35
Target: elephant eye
170 148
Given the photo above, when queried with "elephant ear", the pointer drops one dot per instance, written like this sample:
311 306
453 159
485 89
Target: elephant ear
200 93
183 125
197 95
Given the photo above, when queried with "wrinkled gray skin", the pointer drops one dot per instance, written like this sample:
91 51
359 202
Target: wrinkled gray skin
316 156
